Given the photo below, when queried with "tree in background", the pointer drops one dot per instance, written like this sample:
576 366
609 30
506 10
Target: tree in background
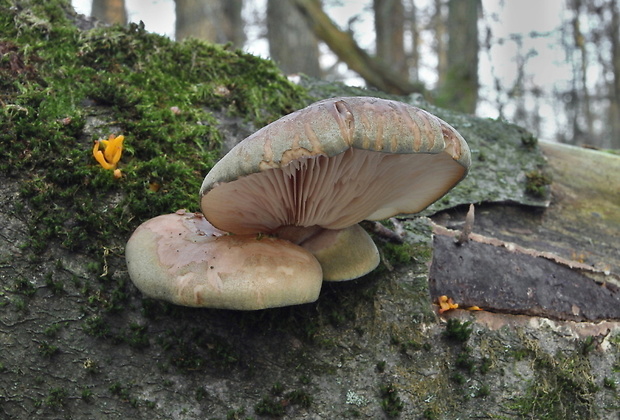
212 20
390 35
458 82
110 11
292 43
587 108
613 114
342 43
440 38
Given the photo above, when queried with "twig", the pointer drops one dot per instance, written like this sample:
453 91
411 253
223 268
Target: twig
467 226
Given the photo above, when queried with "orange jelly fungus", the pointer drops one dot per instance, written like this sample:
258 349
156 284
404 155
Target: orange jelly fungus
111 154
446 304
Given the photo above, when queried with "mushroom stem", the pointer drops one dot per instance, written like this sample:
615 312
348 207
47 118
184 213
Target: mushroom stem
384 232
297 234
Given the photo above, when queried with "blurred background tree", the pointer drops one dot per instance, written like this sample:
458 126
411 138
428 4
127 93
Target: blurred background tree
217 21
110 11
468 55
292 42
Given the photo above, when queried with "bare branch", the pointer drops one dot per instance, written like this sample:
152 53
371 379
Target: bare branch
344 46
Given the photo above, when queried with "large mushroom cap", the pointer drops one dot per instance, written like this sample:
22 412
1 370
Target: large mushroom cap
334 164
183 259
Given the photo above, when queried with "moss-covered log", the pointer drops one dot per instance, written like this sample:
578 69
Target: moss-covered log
77 340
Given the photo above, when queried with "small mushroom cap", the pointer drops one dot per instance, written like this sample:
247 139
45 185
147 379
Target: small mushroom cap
334 164
344 254
183 259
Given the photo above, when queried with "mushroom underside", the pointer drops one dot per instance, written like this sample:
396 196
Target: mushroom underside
332 192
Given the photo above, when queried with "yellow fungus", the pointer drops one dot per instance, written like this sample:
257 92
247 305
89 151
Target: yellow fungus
111 154
446 304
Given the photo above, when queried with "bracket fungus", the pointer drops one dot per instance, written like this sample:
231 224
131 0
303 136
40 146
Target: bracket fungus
290 197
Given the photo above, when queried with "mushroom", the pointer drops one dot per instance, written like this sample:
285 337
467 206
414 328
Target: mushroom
183 259
344 254
312 175
283 206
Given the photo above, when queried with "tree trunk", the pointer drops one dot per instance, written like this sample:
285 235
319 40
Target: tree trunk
389 28
584 132
344 46
439 27
414 55
292 43
459 89
614 106
236 25
212 20
110 11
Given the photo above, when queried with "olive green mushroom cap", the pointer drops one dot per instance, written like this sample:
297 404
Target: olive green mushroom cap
333 164
183 259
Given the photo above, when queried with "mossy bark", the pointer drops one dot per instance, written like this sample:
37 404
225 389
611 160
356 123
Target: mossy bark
77 340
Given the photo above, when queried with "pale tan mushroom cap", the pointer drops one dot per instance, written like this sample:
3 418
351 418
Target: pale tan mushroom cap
344 254
334 164
183 259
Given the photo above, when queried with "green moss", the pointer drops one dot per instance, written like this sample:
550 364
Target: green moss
537 183
465 361
137 336
201 394
274 405
529 140
610 383
269 407
390 401
24 286
19 304
401 254
458 331
563 387
47 350
56 398
194 351
482 392
52 330
458 378
236 414
119 390
485 365
300 398
96 327
55 286
87 395
62 88
277 389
